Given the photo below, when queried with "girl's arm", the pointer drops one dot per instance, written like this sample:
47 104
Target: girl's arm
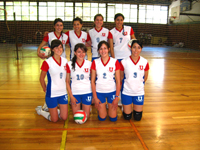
133 36
110 41
117 78
42 80
38 50
146 73
121 77
72 98
93 85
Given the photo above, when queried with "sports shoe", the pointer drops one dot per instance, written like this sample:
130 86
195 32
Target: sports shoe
38 109
45 108
120 102
106 106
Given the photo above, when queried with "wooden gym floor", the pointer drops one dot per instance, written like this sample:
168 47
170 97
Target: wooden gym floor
171 116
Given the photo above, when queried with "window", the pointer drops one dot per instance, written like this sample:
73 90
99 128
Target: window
48 11
23 10
129 11
1 10
78 10
69 11
153 14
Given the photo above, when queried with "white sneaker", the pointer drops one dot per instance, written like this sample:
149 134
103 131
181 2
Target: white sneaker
45 108
38 109
120 102
107 106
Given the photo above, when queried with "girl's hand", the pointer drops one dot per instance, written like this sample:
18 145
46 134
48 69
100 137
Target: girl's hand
97 102
44 89
115 103
73 100
41 55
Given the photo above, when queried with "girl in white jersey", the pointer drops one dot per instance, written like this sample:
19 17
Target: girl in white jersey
57 34
79 70
121 36
135 68
105 69
56 93
76 36
97 34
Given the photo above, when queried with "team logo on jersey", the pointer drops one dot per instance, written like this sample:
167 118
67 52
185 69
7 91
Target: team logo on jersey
141 67
125 33
103 34
89 98
110 69
83 40
86 69
63 41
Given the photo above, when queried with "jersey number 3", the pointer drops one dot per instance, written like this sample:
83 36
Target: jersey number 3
135 75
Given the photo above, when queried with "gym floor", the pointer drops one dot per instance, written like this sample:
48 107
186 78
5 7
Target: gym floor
171 116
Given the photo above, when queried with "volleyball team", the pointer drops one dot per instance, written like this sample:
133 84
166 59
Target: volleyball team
117 72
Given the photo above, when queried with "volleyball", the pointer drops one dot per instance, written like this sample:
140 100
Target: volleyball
80 117
130 42
45 50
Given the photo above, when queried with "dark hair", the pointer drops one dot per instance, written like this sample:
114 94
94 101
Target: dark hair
103 42
117 15
58 20
55 43
77 19
77 46
98 15
138 42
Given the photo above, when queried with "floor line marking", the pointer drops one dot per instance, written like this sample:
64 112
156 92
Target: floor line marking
138 135
64 134
67 129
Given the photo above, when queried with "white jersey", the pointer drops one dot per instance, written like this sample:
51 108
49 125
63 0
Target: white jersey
75 39
134 72
56 75
52 36
105 82
80 77
97 36
120 41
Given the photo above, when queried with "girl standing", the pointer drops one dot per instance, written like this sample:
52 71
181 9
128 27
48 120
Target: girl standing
57 34
135 68
105 69
97 34
76 35
79 70
56 93
121 36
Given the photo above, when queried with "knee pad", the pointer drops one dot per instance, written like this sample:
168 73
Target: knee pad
137 115
101 119
127 116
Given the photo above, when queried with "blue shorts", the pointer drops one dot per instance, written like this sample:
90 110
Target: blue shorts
136 100
54 101
85 99
110 97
